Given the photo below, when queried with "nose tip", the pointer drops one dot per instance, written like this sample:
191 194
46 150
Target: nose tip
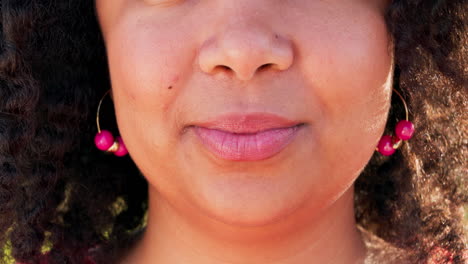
245 51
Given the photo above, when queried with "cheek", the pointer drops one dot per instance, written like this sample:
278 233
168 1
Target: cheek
146 66
147 74
140 70
350 71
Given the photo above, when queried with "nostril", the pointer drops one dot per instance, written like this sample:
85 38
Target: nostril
228 70
265 66
222 68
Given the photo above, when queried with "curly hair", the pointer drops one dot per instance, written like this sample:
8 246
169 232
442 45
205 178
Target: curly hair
58 192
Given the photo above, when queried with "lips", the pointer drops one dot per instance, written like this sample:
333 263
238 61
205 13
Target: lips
241 137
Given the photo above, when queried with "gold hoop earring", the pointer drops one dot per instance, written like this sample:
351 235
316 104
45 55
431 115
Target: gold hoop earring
104 140
404 130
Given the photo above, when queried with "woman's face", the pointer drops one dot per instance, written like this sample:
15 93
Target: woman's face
176 63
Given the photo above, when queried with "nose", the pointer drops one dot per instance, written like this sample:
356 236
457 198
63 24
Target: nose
244 49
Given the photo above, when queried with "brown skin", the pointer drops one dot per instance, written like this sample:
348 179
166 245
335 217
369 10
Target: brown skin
331 67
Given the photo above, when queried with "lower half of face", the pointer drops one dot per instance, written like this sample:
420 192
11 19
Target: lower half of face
323 64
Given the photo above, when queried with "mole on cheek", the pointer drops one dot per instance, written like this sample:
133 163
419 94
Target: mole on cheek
173 80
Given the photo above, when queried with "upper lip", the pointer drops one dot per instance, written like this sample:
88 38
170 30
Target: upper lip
247 123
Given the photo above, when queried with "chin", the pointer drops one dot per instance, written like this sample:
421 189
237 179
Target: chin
249 202
250 216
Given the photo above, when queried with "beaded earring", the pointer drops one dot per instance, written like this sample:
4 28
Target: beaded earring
404 130
104 140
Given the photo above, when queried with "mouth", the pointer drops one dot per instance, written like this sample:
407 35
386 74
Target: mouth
247 137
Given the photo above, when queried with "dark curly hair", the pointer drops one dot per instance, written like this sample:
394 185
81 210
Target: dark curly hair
58 192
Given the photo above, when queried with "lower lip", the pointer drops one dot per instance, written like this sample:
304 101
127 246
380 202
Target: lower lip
247 146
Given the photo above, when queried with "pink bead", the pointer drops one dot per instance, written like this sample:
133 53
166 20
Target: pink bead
122 150
104 140
404 129
385 146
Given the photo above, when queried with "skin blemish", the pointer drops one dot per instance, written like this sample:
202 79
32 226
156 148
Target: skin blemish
174 79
